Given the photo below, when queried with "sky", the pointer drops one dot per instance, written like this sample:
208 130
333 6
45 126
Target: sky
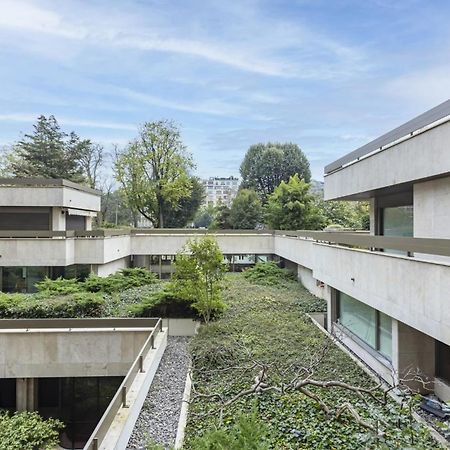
329 75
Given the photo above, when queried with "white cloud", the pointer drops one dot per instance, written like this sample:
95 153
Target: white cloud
76 122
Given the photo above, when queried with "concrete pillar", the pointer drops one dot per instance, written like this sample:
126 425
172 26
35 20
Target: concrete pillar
88 223
26 394
372 215
58 219
412 352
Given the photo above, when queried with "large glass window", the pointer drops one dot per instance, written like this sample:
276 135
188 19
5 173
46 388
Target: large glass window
371 326
359 318
78 402
8 394
397 221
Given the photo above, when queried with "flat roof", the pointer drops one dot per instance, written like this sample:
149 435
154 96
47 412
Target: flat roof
47 182
421 121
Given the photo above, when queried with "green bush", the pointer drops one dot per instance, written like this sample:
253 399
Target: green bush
164 303
268 274
59 286
120 281
28 431
248 433
38 306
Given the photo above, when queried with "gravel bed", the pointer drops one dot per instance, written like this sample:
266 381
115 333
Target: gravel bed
158 419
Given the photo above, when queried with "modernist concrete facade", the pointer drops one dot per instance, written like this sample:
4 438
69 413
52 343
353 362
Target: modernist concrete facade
387 291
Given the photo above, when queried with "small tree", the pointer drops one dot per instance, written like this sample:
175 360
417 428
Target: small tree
292 207
199 271
246 210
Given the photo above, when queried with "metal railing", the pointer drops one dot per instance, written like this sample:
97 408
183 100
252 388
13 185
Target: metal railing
366 241
7 324
120 398
348 238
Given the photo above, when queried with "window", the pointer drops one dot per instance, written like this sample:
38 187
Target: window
443 361
397 221
371 326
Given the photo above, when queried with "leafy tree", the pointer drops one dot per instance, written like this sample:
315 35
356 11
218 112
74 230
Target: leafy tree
153 171
199 271
184 212
265 166
246 210
28 431
115 210
292 207
223 218
204 217
345 214
48 152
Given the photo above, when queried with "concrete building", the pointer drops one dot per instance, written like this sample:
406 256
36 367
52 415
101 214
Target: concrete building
387 291
220 190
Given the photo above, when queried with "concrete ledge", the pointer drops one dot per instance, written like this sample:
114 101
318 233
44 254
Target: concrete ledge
184 412
122 427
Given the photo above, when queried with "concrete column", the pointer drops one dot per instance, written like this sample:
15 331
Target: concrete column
413 352
372 215
58 219
26 394
89 223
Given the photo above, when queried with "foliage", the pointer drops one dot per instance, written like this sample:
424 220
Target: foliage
265 323
42 305
28 431
345 214
246 210
292 207
48 152
59 286
199 270
204 217
164 303
248 433
115 210
119 281
265 166
153 171
187 206
222 220
268 274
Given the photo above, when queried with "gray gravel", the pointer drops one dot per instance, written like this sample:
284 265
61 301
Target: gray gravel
158 419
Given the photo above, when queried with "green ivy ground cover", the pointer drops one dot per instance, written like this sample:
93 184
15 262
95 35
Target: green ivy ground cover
268 324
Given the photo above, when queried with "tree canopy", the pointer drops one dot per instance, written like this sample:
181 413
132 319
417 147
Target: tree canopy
265 166
185 211
292 207
48 152
154 171
246 210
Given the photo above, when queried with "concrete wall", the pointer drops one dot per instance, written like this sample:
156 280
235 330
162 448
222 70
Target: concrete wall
63 353
60 196
425 155
104 270
406 289
305 276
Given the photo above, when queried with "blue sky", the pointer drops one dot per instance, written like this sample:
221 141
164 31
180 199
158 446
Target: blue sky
327 74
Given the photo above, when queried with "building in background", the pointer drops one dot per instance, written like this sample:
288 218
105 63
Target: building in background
220 190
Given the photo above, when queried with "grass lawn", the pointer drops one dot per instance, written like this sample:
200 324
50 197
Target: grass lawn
268 324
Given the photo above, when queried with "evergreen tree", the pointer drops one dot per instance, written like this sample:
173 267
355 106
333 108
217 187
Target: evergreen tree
48 152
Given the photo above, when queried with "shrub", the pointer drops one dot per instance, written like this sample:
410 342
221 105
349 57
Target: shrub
28 431
120 281
164 303
59 286
248 433
38 306
268 274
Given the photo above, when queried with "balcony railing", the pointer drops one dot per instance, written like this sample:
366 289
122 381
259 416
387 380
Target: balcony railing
355 239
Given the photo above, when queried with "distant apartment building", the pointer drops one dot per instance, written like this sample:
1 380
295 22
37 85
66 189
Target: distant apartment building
220 190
